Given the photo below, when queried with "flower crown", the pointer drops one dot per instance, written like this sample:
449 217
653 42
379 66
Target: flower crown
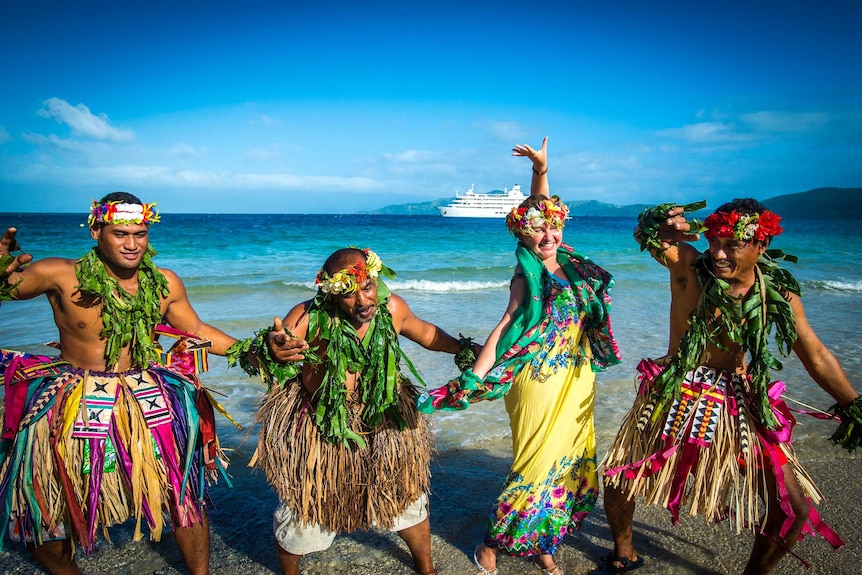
744 227
349 280
119 213
523 220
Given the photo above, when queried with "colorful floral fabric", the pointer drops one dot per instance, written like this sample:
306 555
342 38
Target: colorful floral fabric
589 295
553 483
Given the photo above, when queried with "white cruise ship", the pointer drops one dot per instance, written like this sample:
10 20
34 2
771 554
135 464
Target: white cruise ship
491 205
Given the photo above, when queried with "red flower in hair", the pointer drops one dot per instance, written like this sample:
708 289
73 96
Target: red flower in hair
767 225
721 224
745 227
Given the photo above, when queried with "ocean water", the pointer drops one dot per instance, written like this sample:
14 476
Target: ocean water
242 270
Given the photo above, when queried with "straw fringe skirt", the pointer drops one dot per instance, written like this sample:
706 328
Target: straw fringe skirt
342 487
707 452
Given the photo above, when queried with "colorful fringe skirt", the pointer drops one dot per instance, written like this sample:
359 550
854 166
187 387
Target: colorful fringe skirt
83 449
709 452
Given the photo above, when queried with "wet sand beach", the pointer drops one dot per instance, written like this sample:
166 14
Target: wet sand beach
465 483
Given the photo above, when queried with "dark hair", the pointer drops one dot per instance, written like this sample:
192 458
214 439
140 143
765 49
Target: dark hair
743 206
123 197
338 260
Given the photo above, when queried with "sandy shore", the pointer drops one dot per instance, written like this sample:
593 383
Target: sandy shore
464 485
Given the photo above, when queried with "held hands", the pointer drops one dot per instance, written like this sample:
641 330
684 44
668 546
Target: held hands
284 348
538 157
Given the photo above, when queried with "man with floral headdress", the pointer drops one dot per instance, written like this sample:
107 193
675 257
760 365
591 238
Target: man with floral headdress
708 429
104 433
341 440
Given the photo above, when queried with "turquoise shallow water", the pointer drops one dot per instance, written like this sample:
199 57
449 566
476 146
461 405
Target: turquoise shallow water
241 270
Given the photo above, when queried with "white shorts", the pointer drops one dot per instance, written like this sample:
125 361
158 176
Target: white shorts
304 539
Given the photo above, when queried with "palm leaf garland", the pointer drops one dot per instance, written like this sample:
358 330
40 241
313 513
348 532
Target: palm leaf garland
5 261
651 219
376 360
5 287
466 357
849 432
127 320
747 322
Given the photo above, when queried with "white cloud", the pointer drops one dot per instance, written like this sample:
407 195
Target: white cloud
267 121
163 176
83 122
265 154
54 141
413 156
708 133
4 135
183 150
506 131
783 122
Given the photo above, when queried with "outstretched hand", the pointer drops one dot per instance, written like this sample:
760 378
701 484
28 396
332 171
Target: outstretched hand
283 346
677 228
539 157
8 244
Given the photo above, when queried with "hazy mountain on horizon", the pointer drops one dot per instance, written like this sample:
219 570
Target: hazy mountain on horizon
819 203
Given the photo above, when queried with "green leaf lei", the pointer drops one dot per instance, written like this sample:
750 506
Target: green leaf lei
651 219
745 321
5 261
466 357
849 432
375 358
126 319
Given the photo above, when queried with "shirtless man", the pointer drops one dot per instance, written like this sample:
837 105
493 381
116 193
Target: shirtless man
342 443
98 435
718 367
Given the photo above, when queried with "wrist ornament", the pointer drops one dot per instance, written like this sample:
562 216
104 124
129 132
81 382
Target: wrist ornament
271 371
6 287
651 219
849 432
466 357
540 173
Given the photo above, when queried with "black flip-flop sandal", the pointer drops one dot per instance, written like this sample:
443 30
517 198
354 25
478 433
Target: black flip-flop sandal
609 568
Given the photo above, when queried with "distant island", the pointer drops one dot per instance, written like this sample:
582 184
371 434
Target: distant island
817 204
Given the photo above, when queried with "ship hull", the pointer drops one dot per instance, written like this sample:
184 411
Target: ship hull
493 205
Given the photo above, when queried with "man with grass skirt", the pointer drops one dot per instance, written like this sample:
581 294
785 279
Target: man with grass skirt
708 429
341 441
104 433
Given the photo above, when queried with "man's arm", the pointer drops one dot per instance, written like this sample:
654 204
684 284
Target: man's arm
818 361
36 279
539 182
181 315
425 334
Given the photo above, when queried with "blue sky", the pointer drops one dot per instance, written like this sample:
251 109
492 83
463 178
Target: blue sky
260 106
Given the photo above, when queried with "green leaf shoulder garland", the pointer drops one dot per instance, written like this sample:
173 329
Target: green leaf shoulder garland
127 320
5 261
746 321
375 358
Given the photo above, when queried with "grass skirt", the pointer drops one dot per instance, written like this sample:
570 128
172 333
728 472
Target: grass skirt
342 487
708 452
